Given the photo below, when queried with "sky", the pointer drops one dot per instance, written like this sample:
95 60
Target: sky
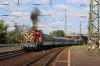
53 12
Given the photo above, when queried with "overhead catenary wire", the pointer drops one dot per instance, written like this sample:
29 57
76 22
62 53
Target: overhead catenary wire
4 10
23 8
26 10
55 12
10 12
16 3
46 10
41 4
64 2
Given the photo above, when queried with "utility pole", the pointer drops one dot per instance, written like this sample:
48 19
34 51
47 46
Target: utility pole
46 25
15 33
99 23
80 32
94 29
90 23
50 2
18 2
65 23
94 19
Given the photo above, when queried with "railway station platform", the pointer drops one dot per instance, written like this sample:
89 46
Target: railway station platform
77 56
7 49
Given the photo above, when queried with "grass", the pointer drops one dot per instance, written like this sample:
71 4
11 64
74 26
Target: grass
73 64
41 62
79 47
84 48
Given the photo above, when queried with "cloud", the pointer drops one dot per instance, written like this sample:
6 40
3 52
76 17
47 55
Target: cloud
51 26
62 6
73 15
42 25
74 1
16 8
4 2
58 12
77 1
59 24
25 1
11 25
13 4
41 1
10 28
16 1
2 6
21 13
19 18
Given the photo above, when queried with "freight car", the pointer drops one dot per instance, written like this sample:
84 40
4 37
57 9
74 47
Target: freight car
36 40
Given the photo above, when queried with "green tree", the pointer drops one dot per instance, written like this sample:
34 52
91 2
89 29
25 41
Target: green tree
11 37
21 28
41 30
18 33
15 36
33 28
3 32
58 33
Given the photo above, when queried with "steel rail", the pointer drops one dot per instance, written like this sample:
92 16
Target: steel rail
10 54
53 57
33 61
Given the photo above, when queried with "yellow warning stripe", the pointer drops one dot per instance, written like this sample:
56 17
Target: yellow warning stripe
31 34
31 38
27 35
69 57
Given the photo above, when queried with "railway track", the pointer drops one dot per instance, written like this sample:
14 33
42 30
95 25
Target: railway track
44 59
10 54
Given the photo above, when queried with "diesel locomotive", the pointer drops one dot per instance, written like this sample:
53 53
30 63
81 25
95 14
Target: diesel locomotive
36 40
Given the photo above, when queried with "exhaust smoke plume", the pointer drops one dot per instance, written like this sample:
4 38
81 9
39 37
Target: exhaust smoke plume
35 16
